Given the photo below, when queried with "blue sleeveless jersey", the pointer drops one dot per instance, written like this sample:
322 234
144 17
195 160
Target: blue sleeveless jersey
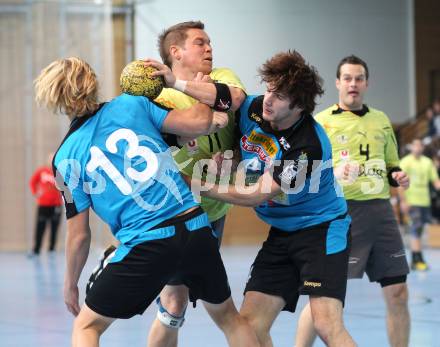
300 160
116 162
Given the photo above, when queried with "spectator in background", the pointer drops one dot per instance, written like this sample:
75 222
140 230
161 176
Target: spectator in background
436 107
429 115
433 115
42 184
421 171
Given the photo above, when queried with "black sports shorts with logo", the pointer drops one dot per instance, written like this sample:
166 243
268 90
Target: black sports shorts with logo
127 287
296 263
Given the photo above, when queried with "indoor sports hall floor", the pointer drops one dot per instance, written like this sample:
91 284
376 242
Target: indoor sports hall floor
32 311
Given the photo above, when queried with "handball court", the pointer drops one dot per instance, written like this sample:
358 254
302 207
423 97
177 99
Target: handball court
33 312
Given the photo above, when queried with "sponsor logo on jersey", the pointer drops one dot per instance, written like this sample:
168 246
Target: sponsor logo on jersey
256 118
290 171
342 139
261 144
379 138
192 147
284 143
345 154
302 156
371 170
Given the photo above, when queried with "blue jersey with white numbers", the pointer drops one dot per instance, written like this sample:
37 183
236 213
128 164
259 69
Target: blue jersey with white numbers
300 160
116 162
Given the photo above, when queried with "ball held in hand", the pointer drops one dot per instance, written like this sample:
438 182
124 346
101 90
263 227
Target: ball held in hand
136 80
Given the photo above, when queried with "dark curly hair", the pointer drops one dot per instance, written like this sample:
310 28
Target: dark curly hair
289 74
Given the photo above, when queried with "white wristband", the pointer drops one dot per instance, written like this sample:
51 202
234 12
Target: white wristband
180 85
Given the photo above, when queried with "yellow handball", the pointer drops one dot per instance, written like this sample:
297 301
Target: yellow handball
136 80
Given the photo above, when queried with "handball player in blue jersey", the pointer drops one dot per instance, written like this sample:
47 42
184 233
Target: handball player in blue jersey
289 181
113 160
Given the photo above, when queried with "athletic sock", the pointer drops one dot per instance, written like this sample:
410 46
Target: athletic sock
416 257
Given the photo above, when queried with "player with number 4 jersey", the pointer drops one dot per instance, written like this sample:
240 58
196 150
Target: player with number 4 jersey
364 137
366 162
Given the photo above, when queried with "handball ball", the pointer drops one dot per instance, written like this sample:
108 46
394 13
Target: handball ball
135 80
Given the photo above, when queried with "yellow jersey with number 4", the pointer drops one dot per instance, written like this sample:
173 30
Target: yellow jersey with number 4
365 137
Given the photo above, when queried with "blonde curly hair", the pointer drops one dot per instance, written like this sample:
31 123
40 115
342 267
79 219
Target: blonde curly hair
68 86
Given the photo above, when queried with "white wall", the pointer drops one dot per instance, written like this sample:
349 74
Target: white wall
245 33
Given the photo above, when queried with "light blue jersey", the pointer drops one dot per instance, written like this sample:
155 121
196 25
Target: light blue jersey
116 162
300 159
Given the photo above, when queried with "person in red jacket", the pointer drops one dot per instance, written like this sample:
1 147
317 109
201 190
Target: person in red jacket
49 201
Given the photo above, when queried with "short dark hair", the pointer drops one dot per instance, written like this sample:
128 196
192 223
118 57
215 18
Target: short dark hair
354 60
291 75
175 35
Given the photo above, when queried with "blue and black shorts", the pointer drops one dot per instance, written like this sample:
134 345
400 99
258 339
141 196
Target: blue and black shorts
127 287
311 261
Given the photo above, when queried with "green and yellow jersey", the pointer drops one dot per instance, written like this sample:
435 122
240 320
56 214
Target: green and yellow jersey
367 138
421 172
205 146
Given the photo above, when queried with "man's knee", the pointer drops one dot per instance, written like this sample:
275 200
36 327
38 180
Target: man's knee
169 318
259 324
253 321
260 328
396 295
83 323
174 300
326 316
323 324
225 315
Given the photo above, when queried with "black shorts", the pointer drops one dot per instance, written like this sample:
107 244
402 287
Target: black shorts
377 246
127 287
217 226
293 263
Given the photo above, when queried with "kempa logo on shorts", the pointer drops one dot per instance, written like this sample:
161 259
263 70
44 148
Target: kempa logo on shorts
312 284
